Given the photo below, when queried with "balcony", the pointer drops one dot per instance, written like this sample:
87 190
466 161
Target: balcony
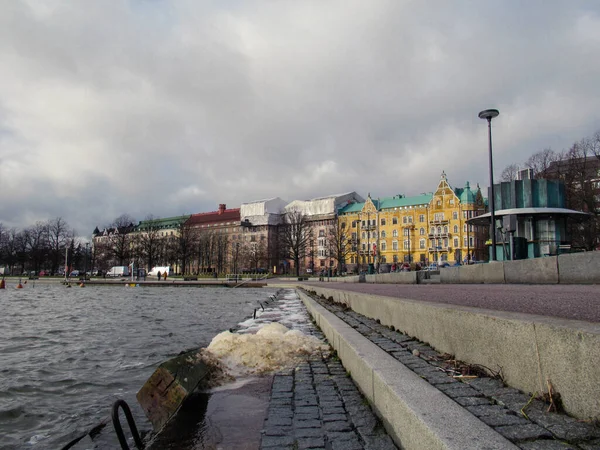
439 249
368 227
439 222
438 235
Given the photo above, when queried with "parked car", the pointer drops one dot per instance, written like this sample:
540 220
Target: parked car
44 273
74 273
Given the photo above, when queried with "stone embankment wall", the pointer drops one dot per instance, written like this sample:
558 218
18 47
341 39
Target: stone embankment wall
574 268
531 351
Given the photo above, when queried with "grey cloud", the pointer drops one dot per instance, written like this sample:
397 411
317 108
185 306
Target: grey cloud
171 108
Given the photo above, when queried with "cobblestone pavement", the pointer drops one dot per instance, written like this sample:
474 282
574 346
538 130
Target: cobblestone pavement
515 415
317 405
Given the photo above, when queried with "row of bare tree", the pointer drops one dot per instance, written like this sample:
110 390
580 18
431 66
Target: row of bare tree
579 168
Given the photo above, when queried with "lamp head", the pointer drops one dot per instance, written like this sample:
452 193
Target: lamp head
489 114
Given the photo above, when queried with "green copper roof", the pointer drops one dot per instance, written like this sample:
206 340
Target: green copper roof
465 194
396 201
169 222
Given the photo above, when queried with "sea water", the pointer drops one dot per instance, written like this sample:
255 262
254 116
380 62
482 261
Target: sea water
66 354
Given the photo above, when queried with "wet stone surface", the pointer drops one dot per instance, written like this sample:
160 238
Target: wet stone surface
317 406
524 421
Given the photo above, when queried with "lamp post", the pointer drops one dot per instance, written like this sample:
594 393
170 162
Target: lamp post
489 114
87 245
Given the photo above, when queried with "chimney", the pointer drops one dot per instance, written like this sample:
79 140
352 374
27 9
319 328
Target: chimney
221 208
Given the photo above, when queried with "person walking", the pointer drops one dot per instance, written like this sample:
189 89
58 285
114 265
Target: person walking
165 275
159 274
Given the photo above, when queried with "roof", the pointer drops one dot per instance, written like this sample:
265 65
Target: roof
465 194
214 217
539 213
396 201
167 222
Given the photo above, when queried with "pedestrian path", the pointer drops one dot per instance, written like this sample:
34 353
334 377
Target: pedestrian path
522 420
315 405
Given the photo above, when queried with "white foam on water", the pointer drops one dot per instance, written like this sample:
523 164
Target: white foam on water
274 347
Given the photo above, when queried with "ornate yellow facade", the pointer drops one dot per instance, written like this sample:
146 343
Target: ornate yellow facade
420 229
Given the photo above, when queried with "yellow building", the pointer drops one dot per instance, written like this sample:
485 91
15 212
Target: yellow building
388 231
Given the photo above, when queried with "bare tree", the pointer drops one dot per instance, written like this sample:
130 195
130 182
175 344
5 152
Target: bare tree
295 236
120 245
38 244
340 243
510 172
59 236
540 162
147 242
184 244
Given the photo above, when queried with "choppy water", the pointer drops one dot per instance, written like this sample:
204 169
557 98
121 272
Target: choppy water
67 354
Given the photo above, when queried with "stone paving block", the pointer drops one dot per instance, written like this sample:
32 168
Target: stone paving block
307 423
525 432
306 401
486 410
472 401
314 442
309 432
332 410
340 425
277 441
270 430
348 444
455 390
307 416
333 417
307 410
503 419
485 385
546 444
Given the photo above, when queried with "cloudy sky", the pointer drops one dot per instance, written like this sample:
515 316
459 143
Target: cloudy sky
172 107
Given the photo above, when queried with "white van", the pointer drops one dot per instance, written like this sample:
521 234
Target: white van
118 271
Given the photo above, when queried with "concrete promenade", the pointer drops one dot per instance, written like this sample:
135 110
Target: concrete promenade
573 302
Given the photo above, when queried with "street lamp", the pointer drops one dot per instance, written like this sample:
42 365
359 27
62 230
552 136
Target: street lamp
87 245
489 114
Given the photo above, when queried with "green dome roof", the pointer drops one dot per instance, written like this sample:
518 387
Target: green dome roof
467 195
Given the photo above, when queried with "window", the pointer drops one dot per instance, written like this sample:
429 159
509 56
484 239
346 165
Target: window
407 232
354 236
354 224
445 242
456 228
383 247
373 222
383 260
405 219
422 218
364 246
439 230
363 223
321 233
465 227
406 245
343 225
364 235
451 201
322 263
465 244
383 234
445 229
422 243
394 221
439 203
395 233
438 217
395 245
455 215
455 242
395 258
382 222
422 231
